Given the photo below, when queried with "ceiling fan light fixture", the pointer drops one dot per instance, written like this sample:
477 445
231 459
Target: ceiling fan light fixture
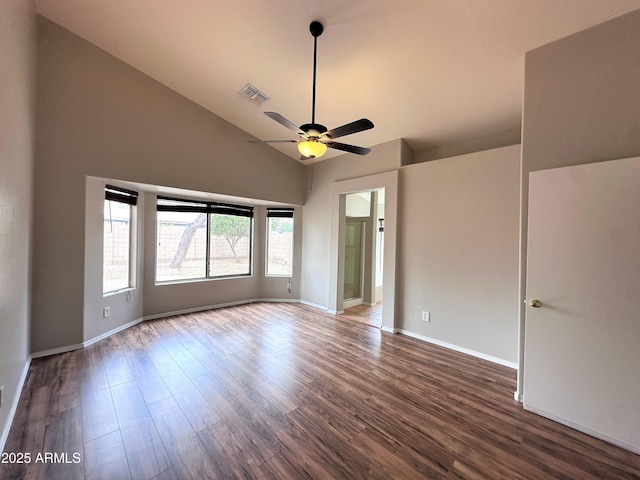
312 148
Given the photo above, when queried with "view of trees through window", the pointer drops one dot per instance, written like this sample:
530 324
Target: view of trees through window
183 246
233 255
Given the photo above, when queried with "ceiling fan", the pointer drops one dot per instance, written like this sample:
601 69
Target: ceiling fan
314 137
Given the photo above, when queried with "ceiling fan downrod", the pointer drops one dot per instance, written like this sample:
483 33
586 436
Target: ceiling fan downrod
316 30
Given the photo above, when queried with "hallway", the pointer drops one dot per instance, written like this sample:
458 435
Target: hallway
366 314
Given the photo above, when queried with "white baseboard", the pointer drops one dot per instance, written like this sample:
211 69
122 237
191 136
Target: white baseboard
14 405
384 328
352 303
456 348
278 300
111 332
156 316
619 443
314 305
56 351
219 305
77 346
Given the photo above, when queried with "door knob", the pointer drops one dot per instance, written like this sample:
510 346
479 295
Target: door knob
535 303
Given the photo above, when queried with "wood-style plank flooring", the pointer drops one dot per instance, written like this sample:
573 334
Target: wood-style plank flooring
366 314
284 391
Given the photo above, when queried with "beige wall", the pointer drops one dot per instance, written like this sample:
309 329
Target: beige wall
126 307
458 251
457 244
581 105
98 117
17 85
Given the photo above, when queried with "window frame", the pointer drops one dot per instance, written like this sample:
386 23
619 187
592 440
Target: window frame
209 208
130 198
278 213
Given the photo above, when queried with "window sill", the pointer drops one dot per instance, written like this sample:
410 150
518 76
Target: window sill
200 280
118 292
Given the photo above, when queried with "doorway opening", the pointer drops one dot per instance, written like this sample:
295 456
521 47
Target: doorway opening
379 285
363 249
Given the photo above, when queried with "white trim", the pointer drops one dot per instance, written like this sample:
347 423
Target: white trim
155 316
278 300
315 305
77 346
384 328
467 351
387 181
352 302
56 351
111 332
14 405
619 443
220 305
86 343
517 396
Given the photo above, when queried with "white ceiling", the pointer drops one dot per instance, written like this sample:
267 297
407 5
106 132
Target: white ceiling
434 72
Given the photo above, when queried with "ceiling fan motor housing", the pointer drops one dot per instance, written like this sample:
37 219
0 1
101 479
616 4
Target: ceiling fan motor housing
313 129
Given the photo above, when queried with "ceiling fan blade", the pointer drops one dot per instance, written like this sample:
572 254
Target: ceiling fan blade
283 121
348 148
272 141
349 128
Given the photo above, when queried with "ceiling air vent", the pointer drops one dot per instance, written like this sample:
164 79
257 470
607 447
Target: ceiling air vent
254 95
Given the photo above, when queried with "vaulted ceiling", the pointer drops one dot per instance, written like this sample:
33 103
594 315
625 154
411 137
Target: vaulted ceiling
434 72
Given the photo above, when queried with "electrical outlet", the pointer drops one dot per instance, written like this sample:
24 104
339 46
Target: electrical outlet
426 316
289 286
106 312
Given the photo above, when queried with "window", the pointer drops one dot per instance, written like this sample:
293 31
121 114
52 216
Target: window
117 258
280 242
230 245
181 252
185 251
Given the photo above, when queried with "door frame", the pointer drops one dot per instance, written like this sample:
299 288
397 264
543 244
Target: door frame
388 182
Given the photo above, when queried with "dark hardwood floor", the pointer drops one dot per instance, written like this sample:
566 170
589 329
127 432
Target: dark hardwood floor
284 391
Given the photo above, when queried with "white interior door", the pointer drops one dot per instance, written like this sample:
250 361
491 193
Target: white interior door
582 344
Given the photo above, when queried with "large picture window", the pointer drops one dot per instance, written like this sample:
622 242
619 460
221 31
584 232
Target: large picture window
117 258
279 242
198 240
